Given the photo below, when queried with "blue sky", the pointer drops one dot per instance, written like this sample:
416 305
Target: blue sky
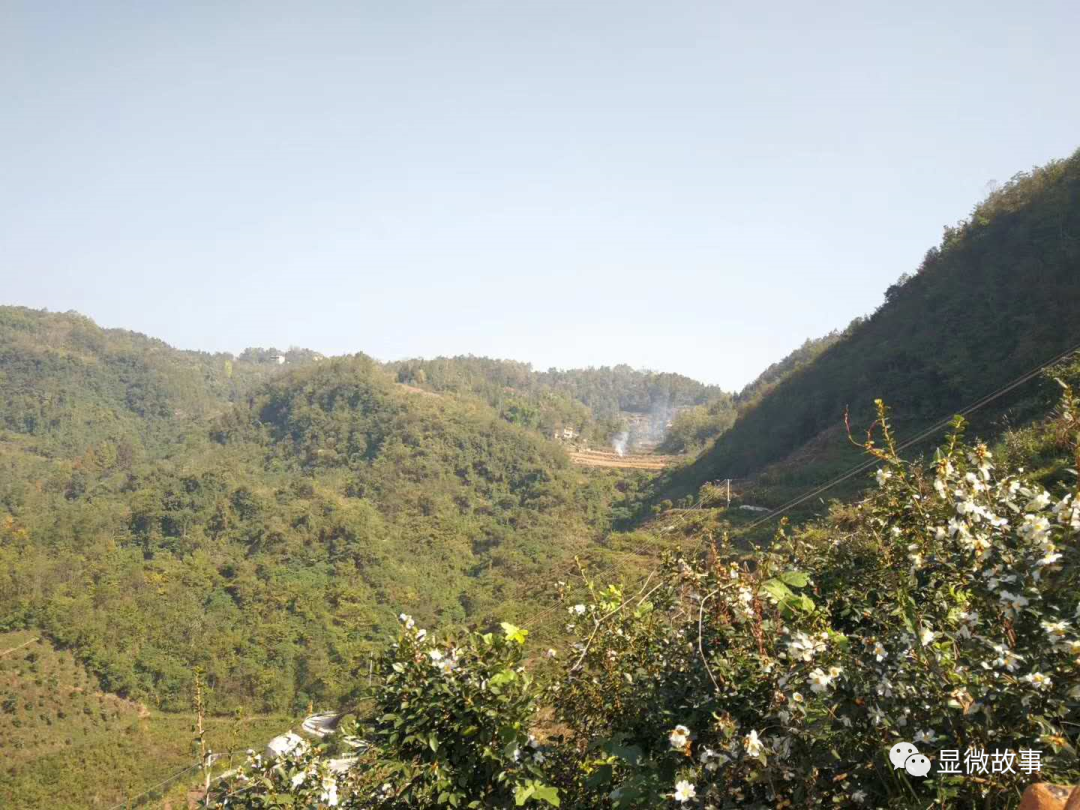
693 187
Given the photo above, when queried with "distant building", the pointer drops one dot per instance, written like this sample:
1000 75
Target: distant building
568 434
279 359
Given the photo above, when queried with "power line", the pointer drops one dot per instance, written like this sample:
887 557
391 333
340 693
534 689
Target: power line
173 778
986 400
866 465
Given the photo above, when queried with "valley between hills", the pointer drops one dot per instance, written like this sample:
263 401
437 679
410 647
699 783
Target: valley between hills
598 587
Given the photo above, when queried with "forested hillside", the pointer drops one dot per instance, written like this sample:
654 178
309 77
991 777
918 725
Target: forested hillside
998 297
694 428
68 386
938 612
68 746
594 402
271 543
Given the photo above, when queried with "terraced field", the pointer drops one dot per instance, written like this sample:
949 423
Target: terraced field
66 744
598 458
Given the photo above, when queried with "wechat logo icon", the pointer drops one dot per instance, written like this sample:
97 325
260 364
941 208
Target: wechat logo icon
905 755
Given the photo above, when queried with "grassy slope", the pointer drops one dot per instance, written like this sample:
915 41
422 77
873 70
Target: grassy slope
67 744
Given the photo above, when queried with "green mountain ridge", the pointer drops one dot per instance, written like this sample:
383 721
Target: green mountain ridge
264 518
993 301
68 384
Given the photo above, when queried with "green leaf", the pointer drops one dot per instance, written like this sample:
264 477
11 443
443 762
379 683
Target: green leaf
549 794
523 794
776 589
600 777
515 634
796 579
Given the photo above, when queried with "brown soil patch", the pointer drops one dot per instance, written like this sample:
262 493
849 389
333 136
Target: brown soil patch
596 458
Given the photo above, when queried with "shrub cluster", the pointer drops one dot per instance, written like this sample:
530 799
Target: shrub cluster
941 610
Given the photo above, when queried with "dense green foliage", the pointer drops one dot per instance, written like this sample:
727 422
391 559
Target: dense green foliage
593 402
69 386
997 298
68 746
267 544
695 428
263 517
513 389
940 610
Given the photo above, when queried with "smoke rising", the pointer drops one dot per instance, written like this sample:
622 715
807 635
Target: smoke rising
619 442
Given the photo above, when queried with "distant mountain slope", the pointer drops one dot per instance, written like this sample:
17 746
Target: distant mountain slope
68 385
275 542
68 745
1000 295
694 428
593 402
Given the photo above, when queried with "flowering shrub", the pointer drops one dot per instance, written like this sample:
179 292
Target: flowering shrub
941 611
298 778
452 723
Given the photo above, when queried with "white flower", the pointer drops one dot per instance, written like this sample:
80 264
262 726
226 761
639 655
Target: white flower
925 736
1039 502
1038 680
684 791
1049 558
550 653
1006 658
752 744
882 476
819 681
436 655
407 620
1055 629
803 648
859 796
298 779
329 794
926 635
1035 528
1015 602
879 651
679 737
579 610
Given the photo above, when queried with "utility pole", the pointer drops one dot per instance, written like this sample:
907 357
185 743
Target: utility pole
205 756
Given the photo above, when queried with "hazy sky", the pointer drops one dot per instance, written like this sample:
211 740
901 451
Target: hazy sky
694 187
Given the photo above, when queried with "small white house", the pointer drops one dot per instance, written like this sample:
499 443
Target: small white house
279 359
